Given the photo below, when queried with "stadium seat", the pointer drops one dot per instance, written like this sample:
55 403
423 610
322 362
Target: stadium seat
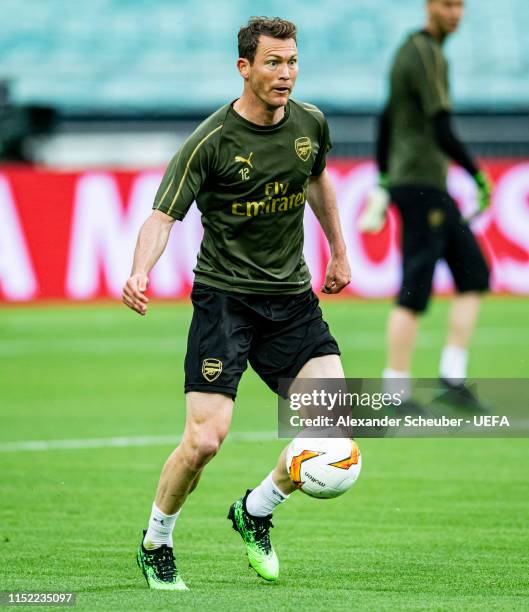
175 54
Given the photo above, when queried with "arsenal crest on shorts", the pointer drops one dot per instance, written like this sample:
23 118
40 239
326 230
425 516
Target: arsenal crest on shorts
211 368
303 147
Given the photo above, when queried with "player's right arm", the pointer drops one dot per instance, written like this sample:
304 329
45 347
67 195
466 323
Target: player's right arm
180 186
382 146
151 243
373 218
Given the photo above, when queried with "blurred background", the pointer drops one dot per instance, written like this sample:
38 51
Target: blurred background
95 97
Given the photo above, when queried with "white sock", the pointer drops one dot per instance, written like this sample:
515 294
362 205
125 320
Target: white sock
160 530
264 498
453 364
397 382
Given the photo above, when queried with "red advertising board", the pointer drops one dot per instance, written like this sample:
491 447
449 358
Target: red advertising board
71 235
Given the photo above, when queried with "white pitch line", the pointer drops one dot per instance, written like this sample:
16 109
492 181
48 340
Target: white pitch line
154 345
123 442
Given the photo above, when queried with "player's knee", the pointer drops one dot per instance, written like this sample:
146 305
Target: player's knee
482 278
416 287
475 280
414 300
200 449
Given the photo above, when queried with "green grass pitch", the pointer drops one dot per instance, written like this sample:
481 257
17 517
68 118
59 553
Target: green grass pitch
430 525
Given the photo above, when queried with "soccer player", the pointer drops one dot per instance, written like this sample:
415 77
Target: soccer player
415 143
250 167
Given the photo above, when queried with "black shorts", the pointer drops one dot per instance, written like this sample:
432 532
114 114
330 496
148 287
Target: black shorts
433 229
276 334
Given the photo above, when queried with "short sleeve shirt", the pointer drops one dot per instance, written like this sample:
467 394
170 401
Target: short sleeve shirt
418 91
250 184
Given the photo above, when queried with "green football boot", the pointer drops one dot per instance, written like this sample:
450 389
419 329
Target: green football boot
158 567
255 532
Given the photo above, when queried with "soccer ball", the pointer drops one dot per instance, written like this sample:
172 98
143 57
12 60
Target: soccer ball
323 467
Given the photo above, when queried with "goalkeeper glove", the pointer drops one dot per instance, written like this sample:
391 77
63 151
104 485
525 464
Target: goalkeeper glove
483 190
373 218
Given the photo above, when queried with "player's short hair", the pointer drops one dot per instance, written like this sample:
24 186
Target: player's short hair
275 27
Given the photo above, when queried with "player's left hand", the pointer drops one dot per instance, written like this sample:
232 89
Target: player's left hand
338 274
484 190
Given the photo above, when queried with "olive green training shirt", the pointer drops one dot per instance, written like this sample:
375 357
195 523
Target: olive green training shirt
250 184
418 91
